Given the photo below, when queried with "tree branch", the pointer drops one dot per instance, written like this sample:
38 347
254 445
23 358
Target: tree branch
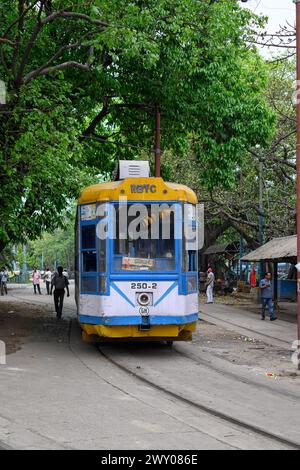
30 44
19 18
6 41
38 71
73 15
98 118
65 65
39 25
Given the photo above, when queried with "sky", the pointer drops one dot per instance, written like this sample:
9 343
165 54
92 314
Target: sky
278 11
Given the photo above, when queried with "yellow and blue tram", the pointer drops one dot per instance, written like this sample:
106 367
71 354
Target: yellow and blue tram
132 280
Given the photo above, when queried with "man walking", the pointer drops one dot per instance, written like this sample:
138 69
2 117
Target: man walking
60 283
266 296
210 281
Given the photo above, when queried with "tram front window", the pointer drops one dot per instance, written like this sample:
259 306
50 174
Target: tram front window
146 242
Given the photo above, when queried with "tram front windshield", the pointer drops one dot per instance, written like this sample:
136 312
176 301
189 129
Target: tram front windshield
145 241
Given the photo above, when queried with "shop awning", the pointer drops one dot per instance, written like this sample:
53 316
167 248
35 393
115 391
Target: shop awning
282 249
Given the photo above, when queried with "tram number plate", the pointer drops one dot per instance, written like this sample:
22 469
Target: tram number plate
143 285
144 311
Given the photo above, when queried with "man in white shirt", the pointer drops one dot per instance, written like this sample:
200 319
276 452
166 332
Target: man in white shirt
3 280
210 281
47 279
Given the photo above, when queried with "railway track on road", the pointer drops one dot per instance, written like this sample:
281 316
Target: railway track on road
240 424
217 414
199 360
287 343
206 363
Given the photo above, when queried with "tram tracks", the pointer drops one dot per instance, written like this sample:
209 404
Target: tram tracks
265 335
206 363
227 418
204 408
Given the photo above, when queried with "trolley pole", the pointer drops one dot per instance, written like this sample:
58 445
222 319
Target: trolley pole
298 167
157 141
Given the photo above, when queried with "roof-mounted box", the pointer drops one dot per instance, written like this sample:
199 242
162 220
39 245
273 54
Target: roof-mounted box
133 169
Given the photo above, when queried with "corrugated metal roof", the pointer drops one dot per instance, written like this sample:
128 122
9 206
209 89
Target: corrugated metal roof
278 249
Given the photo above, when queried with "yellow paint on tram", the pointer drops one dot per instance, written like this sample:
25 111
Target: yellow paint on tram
178 332
142 189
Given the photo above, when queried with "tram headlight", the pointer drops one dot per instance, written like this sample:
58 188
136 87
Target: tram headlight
144 298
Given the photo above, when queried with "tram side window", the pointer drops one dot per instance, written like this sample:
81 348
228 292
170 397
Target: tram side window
188 260
189 253
88 247
192 260
88 237
101 256
89 261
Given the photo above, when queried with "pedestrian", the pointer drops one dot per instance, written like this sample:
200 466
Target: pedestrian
266 296
47 279
3 280
36 278
210 281
60 283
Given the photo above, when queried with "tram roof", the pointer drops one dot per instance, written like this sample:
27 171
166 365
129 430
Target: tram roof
141 189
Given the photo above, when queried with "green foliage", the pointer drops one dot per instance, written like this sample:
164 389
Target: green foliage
83 82
231 212
51 247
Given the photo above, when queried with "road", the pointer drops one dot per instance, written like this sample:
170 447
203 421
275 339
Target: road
57 392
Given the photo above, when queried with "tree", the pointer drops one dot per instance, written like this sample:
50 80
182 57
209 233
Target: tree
235 211
51 248
83 81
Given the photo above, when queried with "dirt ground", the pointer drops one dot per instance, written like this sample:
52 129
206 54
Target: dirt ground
246 351
237 300
286 311
21 322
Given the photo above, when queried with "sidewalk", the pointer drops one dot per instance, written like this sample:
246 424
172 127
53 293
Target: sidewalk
286 311
279 333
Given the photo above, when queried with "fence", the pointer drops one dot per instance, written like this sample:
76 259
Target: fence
20 279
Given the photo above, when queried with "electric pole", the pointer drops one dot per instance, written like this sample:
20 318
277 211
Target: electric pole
298 166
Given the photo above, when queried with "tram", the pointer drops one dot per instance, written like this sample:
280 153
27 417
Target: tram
136 258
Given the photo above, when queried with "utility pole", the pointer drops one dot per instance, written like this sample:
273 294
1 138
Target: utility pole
157 141
261 220
241 255
298 167
24 267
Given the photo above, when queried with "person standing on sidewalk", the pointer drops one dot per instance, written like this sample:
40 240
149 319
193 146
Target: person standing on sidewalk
36 279
60 283
3 280
210 281
47 279
266 296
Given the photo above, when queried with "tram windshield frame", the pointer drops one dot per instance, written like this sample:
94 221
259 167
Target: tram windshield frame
145 253
100 256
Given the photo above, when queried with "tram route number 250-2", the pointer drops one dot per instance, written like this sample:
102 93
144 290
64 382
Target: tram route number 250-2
143 285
